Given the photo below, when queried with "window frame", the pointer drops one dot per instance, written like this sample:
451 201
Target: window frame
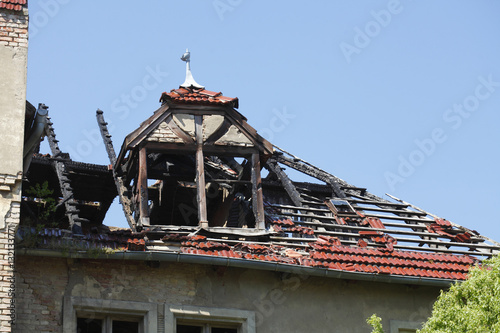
243 320
397 325
107 310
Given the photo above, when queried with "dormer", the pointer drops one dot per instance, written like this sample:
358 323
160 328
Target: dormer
195 162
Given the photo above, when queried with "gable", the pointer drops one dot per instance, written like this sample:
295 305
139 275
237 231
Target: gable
175 127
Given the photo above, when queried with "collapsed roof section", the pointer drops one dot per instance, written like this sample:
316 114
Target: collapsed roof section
58 191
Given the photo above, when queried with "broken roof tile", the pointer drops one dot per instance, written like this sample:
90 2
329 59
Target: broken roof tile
16 5
197 96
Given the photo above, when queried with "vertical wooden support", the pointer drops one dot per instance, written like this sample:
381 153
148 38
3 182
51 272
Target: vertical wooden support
257 199
200 173
143 188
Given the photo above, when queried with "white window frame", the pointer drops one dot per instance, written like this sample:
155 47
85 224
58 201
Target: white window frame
195 315
75 307
397 325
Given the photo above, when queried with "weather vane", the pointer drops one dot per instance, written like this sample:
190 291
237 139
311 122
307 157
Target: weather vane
189 82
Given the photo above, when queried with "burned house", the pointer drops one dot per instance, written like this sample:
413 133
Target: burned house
220 238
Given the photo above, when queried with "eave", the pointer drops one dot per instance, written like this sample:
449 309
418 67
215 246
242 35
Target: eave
162 256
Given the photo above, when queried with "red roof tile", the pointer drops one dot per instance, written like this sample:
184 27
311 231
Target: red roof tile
197 96
16 5
345 258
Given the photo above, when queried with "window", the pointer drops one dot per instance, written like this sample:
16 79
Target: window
94 323
88 315
207 328
191 319
341 207
399 326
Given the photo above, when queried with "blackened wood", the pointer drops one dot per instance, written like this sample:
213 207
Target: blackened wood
120 186
313 172
75 224
140 133
219 150
453 224
143 188
257 198
286 182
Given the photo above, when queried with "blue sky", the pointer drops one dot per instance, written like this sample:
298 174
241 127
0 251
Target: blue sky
400 97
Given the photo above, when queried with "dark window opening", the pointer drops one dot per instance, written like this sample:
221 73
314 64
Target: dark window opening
224 330
87 325
125 327
117 324
172 191
189 329
204 329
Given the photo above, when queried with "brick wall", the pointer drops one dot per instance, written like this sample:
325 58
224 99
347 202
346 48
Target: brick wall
42 283
14 28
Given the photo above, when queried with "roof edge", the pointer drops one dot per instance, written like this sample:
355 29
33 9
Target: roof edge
241 263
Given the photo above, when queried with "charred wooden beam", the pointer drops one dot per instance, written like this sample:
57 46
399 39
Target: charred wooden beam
290 189
120 186
472 232
257 198
75 222
313 172
142 188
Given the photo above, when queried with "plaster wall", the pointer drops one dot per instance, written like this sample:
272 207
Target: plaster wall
13 60
13 57
280 302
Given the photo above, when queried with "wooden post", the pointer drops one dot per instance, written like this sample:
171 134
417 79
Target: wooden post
257 199
143 188
200 173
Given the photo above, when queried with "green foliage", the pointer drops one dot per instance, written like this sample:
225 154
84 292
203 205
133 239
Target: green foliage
376 323
45 202
469 306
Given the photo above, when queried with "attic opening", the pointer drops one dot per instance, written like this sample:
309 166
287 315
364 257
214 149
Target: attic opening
172 198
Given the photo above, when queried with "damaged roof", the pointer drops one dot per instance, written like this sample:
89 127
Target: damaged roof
329 228
198 96
16 5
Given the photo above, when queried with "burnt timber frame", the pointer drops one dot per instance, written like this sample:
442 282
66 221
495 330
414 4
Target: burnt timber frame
312 171
108 143
142 189
138 147
75 222
290 188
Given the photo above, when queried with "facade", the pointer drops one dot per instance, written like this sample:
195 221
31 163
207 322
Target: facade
13 60
215 246
220 239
